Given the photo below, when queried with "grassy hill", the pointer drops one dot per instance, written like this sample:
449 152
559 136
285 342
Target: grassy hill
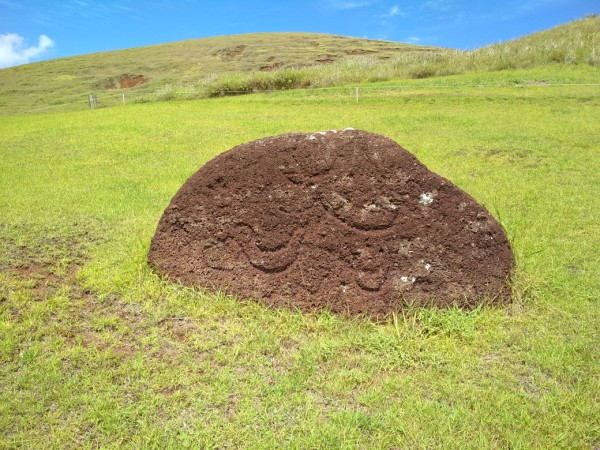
574 43
272 61
69 80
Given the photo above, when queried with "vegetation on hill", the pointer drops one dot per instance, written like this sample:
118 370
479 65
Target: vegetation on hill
239 64
572 43
69 80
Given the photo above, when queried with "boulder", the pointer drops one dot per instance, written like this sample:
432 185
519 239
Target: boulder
343 220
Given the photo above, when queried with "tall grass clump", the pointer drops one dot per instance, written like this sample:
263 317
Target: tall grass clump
176 91
232 83
240 83
574 44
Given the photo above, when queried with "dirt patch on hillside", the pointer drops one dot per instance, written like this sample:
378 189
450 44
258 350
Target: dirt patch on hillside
129 81
325 59
356 52
271 67
345 220
124 81
230 53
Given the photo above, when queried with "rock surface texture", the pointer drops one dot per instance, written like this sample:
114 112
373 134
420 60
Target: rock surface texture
341 220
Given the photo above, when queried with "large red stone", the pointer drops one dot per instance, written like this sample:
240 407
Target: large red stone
341 220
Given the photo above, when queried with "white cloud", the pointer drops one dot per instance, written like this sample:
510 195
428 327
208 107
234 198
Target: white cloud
413 39
394 11
13 50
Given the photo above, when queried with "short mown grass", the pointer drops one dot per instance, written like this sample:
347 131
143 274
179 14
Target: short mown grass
96 351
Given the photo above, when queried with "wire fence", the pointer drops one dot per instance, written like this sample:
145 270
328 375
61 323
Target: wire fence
357 93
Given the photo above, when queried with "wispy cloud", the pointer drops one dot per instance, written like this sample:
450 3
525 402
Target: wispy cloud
105 9
393 12
349 4
10 4
125 9
77 14
13 50
413 40
530 5
438 5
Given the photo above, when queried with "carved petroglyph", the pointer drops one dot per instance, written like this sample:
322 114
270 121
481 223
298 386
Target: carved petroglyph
344 220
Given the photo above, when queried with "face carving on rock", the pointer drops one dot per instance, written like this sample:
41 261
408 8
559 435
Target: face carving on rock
332 220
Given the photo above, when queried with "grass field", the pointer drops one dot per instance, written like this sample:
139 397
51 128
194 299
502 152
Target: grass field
97 352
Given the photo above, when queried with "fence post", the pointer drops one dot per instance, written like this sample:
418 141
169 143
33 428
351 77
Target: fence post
356 94
123 98
93 101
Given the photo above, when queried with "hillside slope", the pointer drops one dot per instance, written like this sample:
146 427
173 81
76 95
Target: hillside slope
576 42
145 69
266 61
572 45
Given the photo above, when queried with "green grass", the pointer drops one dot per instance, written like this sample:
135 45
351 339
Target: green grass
97 351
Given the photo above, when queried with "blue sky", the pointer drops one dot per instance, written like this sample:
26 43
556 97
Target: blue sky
43 29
